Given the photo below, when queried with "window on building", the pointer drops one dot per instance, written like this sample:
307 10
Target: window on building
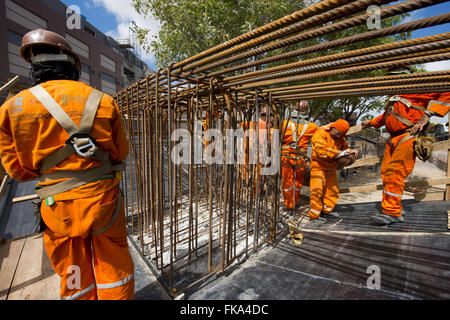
85 75
107 63
78 46
88 30
109 84
129 75
23 16
16 64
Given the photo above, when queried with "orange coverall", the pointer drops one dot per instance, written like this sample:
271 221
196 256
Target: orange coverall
293 166
28 134
324 188
399 159
251 130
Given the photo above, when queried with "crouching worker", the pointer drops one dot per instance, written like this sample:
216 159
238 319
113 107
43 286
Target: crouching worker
71 137
330 152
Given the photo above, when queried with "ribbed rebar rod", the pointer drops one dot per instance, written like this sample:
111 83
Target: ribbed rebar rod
391 83
313 21
280 23
405 27
359 80
381 91
415 60
341 55
335 27
423 48
445 75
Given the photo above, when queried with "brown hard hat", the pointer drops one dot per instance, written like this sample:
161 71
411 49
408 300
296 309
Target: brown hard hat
41 37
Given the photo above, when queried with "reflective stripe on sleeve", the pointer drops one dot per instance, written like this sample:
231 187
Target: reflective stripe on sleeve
315 211
438 102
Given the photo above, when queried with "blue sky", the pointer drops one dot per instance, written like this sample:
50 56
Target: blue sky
113 17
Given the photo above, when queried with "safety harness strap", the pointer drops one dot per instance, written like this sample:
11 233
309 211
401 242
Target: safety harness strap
406 102
74 144
54 109
402 140
90 110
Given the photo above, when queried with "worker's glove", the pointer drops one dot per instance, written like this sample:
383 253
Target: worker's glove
423 146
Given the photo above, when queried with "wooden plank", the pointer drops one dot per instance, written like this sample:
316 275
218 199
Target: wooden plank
422 183
4 185
10 251
429 196
447 190
354 129
441 145
25 198
9 84
365 162
34 278
448 219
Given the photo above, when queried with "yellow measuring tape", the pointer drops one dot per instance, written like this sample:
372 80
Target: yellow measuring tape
297 238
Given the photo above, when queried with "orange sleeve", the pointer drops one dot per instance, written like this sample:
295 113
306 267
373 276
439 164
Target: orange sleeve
440 105
378 121
8 153
322 147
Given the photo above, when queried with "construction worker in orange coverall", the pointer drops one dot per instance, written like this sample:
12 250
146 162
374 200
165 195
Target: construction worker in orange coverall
251 128
405 115
85 234
296 137
327 144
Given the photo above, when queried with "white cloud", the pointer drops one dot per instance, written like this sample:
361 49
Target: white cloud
125 14
438 65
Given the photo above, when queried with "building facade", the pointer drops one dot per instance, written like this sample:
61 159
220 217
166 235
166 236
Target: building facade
106 65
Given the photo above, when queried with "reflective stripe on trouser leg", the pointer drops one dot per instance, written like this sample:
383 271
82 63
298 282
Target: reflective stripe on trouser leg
288 176
71 259
113 264
316 185
398 163
331 193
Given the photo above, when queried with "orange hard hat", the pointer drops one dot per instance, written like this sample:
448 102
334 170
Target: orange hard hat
41 37
341 125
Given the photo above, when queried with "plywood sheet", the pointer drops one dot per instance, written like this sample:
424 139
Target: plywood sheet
10 251
34 278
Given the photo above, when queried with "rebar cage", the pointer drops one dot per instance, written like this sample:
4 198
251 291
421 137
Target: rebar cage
194 218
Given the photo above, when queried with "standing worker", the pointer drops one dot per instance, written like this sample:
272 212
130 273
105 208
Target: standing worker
405 115
71 136
329 148
296 136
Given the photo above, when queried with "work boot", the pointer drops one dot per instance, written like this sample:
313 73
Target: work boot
383 219
331 214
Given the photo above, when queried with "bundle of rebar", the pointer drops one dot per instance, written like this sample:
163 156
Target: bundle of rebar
197 218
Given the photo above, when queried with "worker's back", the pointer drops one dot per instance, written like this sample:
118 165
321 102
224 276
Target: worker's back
37 134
